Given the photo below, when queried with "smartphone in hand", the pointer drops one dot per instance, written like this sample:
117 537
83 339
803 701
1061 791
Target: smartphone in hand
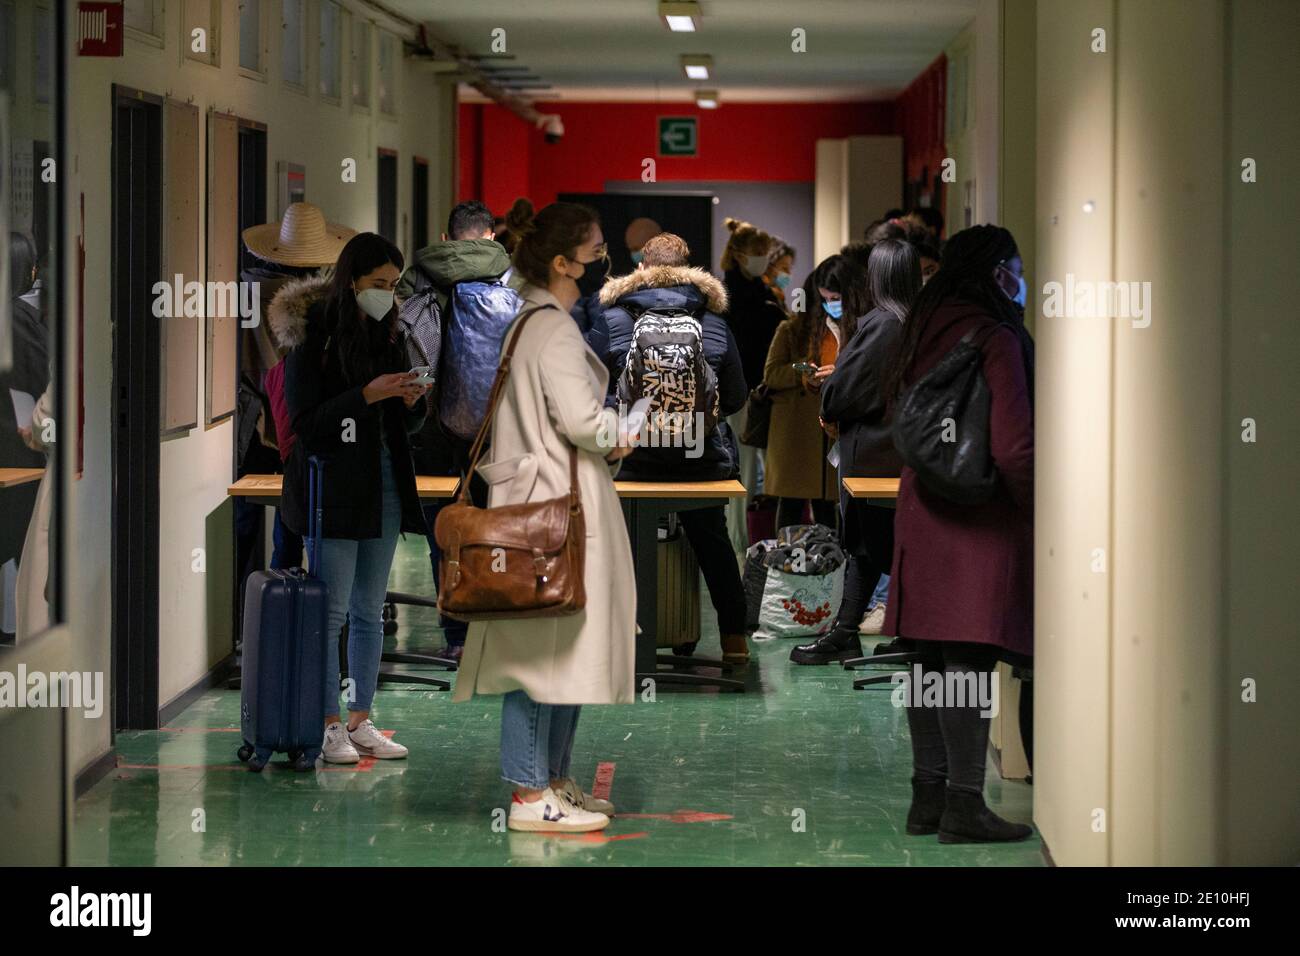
423 374
635 419
806 368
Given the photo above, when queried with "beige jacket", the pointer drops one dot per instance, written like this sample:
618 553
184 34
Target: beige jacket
554 397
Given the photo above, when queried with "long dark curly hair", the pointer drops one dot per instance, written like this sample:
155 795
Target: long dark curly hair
965 273
361 342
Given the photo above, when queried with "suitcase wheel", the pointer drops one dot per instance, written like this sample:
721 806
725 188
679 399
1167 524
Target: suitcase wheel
302 763
293 753
258 760
389 615
245 752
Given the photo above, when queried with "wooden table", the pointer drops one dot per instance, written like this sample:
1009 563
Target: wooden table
265 490
13 477
867 488
644 503
267 487
871 487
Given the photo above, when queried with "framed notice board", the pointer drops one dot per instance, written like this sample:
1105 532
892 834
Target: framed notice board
180 249
222 323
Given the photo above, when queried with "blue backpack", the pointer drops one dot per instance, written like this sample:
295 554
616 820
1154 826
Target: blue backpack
479 313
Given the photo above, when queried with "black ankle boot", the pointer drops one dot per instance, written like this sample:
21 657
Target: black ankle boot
929 798
966 819
841 644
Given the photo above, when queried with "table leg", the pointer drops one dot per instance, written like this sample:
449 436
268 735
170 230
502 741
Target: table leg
645 559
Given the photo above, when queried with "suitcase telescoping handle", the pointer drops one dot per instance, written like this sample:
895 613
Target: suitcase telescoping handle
315 509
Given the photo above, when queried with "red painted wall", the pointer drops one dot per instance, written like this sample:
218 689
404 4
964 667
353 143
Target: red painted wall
921 117
604 141
502 157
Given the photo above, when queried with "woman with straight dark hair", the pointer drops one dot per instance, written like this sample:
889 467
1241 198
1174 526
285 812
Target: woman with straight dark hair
354 404
961 586
553 404
835 297
854 410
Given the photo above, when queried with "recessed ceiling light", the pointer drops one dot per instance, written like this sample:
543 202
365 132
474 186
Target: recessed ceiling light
680 16
706 99
697 66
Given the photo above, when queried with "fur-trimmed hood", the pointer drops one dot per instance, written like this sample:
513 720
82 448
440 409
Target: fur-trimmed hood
287 314
706 285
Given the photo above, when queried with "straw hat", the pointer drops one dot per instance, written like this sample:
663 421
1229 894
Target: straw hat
302 238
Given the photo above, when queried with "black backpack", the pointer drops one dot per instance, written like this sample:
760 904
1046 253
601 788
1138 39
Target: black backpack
941 425
666 363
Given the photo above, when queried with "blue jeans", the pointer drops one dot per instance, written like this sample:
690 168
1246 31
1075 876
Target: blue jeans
357 575
882 592
453 630
536 740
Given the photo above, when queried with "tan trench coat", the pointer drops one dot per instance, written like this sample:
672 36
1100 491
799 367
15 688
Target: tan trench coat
794 464
554 397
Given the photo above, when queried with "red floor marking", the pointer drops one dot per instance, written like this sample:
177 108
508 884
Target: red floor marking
679 816
604 781
599 837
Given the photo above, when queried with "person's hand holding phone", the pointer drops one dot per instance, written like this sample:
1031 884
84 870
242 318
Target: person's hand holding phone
401 385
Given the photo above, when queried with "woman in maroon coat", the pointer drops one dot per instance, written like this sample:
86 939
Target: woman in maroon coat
961 586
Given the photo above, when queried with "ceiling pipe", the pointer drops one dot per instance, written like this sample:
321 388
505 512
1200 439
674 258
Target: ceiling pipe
467 70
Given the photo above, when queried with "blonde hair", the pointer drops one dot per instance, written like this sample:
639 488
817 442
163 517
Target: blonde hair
746 240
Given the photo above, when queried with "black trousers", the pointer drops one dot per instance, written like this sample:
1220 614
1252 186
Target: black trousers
950 741
706 530
790 511
870 554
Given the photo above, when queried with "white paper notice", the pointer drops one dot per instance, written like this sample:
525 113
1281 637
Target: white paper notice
24 406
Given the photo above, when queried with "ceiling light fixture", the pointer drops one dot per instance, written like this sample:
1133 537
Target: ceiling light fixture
697 66
680 16
706 99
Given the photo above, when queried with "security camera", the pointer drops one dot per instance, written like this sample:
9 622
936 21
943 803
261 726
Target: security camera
553 127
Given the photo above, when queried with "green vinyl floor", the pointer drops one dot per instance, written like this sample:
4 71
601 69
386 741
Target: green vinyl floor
799 770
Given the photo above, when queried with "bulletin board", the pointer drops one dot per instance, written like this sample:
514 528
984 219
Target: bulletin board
223 265
182 220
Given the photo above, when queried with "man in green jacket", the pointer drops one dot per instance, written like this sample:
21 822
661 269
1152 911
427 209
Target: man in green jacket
467 253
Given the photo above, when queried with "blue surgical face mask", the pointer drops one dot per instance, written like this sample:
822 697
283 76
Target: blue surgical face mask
834 309
637 257
1021 295
783 280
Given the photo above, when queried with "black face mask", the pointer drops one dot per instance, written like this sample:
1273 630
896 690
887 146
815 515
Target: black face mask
593 276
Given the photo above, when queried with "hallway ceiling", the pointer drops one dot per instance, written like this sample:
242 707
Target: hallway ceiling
620 50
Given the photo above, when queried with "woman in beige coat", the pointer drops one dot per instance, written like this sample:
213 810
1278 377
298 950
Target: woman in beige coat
547 667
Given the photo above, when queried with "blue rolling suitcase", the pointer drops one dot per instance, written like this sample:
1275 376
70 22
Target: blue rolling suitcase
282 701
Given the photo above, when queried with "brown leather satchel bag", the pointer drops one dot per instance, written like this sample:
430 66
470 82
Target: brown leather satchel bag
523 560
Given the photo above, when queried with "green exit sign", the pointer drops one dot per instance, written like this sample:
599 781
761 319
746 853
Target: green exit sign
679 136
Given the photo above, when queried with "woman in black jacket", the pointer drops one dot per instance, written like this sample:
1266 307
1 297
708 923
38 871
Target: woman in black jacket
353 405
753 314
664 280
854 410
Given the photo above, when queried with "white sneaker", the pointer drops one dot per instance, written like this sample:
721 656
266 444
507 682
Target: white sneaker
551 813
369 741
572 793
874 621
336 747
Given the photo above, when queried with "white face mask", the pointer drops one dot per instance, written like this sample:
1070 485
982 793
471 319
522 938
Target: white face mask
755 265
375 303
